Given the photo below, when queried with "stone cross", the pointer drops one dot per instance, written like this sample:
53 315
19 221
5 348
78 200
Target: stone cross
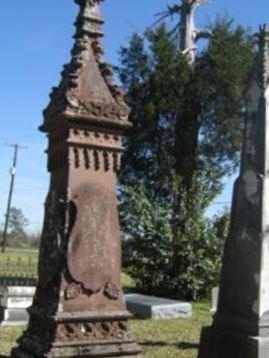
241 325
78 309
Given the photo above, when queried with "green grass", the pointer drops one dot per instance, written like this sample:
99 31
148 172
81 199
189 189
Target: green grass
169 338
158 339
172 338
16 254
8 336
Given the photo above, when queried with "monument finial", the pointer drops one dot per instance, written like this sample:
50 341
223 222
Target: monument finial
89 20
87 89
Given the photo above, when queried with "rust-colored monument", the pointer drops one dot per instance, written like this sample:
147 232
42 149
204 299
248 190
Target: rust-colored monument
78 310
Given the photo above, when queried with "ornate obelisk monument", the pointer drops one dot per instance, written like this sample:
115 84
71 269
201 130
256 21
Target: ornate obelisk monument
241 325
78 310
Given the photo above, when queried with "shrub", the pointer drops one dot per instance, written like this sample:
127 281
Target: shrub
172 255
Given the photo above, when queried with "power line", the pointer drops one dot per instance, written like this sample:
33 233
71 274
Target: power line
11 188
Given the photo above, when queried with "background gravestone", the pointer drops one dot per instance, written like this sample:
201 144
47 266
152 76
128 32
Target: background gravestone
241 324
14 302
78 309
157 308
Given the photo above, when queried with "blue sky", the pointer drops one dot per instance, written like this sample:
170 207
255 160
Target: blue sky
36 39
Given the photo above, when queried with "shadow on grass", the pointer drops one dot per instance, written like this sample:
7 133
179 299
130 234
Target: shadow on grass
181 346
3 356
186 345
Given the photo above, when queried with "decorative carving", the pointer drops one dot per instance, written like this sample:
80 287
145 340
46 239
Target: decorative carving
86 158
76 154
116 162
68 98
96 160
104 330
72 71
105 141
106 160
73 291
112 291
98 109
98 51
107 71
118 93
111 111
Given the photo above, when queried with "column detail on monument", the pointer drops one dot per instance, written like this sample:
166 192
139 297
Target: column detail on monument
241 325
78 309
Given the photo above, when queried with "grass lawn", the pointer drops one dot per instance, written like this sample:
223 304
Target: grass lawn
171 338
160 339
16 254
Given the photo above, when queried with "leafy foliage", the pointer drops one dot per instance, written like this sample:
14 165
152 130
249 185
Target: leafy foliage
17 222
187 128
185 119
180 255
16 228
222 73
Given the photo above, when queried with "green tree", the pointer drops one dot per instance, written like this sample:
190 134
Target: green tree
187 128
16 228
187 267
17 221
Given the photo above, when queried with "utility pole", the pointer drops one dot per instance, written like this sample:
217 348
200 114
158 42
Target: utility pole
13 174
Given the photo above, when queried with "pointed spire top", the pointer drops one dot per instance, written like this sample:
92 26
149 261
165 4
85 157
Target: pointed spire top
89 20
263 40
86 91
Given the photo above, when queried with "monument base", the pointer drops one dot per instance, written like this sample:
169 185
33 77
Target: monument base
221 344
81 334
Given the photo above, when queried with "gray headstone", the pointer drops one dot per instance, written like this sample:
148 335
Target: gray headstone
17 291
157 308
14 302
214 299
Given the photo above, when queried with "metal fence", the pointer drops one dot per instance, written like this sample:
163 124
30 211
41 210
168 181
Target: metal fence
18 272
